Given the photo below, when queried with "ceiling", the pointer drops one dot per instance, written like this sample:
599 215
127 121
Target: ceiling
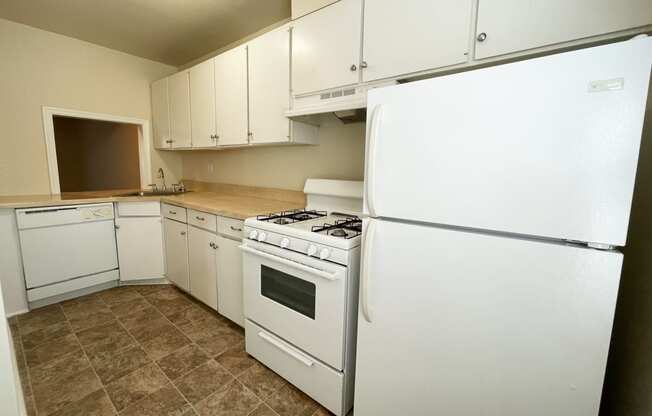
174 32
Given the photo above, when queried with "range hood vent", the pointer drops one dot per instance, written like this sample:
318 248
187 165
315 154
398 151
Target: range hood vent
347 103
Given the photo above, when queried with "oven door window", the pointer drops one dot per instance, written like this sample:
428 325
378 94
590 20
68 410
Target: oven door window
290 291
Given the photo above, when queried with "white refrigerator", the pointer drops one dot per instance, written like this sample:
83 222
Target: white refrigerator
496 201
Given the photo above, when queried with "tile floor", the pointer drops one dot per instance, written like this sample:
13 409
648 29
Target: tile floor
144 350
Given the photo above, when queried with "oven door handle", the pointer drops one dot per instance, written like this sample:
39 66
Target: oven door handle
299 266
281 346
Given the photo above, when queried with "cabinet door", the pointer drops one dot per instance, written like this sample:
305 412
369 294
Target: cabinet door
229 283
231 97
417 36
140 248
176 253
202 104
516 25
203 271
160 114
269 87
179 99
326 47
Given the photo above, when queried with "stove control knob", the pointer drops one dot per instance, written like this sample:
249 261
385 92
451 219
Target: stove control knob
253 234
324 253
312 250
262 236
285 242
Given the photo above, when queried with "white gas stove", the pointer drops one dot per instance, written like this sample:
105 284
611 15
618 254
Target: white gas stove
300 271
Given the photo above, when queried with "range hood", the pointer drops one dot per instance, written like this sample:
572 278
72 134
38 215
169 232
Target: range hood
347 104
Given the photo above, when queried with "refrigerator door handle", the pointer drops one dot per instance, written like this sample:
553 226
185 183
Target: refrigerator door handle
374 130
366 260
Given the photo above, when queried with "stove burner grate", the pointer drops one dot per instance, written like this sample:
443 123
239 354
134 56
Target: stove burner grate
346 228
291 217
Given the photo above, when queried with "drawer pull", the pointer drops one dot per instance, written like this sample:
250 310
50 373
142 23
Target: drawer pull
236 229
281 346
172 212
200 218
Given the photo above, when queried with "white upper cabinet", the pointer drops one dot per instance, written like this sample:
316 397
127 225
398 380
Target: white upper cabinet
269 87
416 36
506 26
179 104
326 47
160 114
231 97
202 104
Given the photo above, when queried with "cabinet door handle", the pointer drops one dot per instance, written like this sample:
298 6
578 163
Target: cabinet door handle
200 218
353 68
363 64
236 229
183 233
482 37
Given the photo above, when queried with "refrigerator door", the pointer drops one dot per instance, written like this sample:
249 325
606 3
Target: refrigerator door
545 147
467 324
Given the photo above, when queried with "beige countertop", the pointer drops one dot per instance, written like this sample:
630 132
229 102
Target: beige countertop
227 200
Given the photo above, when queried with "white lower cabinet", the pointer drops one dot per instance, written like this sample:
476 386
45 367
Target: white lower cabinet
139 237
140 248
176 253
229 282
203 269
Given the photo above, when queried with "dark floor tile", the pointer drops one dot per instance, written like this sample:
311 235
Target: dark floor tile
40 319
151 329
322 412
235 359
120 295
163 402
52 350
182 361
203 381
219 343
192 314
40 336
170 307
290 401
129 307
56 396
167 293
100 333
141 318
79 322
261 380
136 386
166 343
89 301
231 400
115 367
149 289
54 371
95 404
109 347
263 410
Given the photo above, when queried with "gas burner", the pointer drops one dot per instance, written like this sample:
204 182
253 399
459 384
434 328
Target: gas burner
346 228
291 217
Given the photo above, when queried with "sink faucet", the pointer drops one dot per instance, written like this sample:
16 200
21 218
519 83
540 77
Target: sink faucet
161 175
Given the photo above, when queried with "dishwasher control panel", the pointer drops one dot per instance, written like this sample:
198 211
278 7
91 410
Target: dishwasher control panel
61 215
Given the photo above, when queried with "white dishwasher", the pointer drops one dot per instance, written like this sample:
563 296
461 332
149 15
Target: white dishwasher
67 248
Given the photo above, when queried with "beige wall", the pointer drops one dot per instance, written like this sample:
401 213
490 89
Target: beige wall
39 68
340 155
628 386
95 155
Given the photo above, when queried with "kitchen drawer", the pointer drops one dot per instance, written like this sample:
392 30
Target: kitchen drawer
174 212
320 382
230 227
202 220
139 209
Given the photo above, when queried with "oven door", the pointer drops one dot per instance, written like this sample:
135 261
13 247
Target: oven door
298 298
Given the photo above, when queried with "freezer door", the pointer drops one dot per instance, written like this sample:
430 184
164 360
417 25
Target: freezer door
467 324
545 147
